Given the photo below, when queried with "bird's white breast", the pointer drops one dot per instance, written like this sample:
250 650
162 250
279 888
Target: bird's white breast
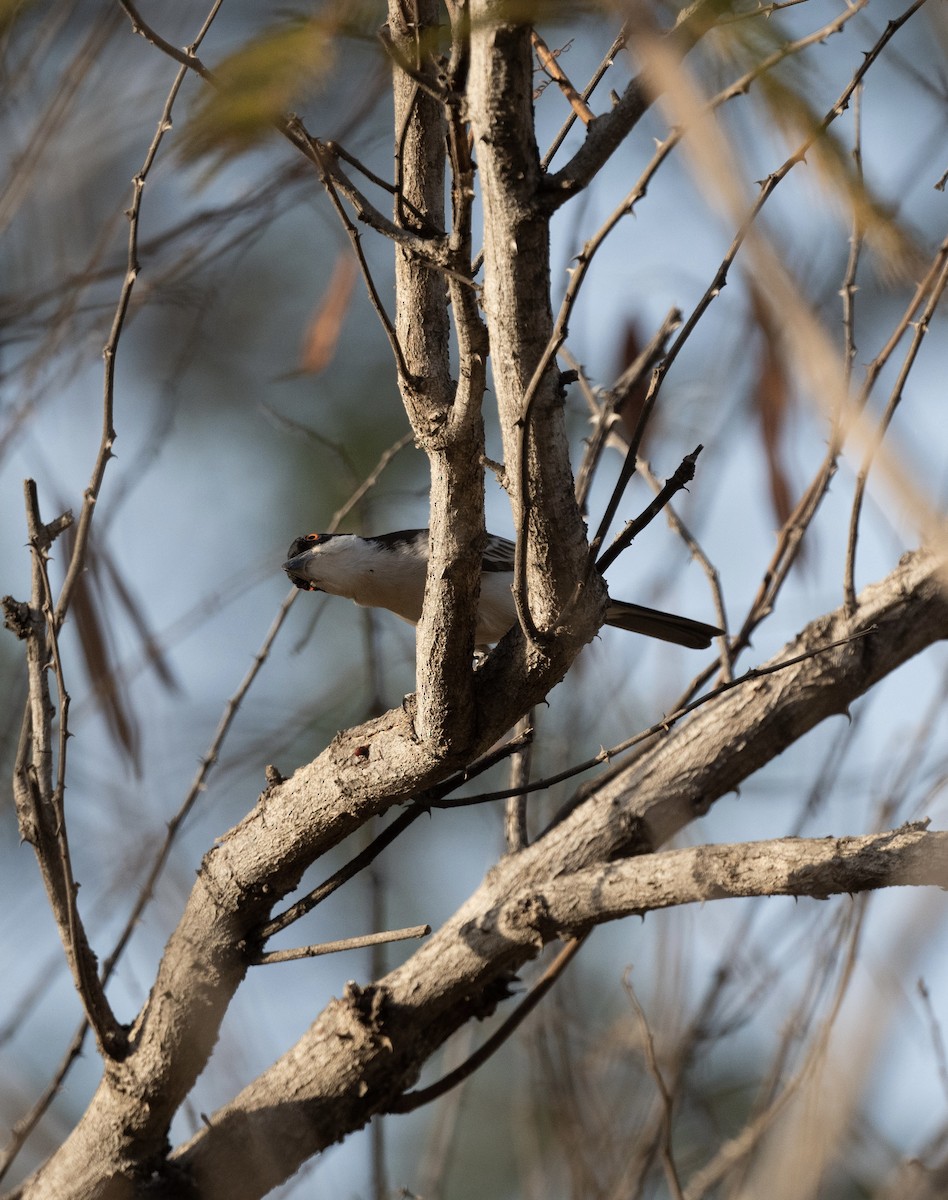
372 575
496 612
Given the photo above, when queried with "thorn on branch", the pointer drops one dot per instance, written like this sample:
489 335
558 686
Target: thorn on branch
681 478
47 534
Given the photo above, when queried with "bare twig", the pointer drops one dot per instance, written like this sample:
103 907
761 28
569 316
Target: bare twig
681 478
430 250
41 800
359 863
739 87
697 553
422 804
662 726
334 182
895 396
609 131
856 237
102 1020
663 150
666 1097
791 535
353 943
590 249
412 1100
340 151
412 69
22 1129
516 835
736 1150
595 80
370 480
22 166
550 63
762 10
110 350
937 1035
605 415
444 1125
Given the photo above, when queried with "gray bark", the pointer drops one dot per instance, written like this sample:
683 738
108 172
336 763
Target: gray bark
369 1046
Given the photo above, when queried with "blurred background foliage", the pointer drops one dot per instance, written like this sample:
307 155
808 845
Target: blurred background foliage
254 394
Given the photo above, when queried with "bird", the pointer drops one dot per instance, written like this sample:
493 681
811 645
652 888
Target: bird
389 570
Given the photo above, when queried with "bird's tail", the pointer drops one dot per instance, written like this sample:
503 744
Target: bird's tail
636 618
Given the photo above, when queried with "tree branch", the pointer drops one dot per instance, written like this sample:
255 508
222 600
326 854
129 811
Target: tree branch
40 799
551 544
815 867
681 478
353 943
370 1045
600 860
446 418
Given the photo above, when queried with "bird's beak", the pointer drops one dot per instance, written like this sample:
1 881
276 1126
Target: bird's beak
296 569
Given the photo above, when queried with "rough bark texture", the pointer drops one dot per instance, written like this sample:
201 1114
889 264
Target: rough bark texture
461 971
519 316
368 1046
446 419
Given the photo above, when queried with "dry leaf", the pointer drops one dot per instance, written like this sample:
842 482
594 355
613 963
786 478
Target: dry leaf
322 333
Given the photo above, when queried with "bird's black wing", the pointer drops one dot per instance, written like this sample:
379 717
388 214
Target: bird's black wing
498 554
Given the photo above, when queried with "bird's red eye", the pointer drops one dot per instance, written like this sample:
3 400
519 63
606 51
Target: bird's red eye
312 537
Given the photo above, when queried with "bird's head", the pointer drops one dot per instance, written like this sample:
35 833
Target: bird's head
339 563
306 560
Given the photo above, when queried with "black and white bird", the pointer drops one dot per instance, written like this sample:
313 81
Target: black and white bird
388 571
